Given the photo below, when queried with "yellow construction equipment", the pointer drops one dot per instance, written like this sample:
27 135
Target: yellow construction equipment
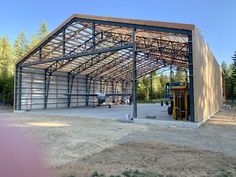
178 95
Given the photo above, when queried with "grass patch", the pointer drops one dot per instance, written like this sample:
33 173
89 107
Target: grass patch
96 174
225 173
136 173
131 173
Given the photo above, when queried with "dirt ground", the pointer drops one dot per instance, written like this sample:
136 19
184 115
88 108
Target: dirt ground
78 147
167 160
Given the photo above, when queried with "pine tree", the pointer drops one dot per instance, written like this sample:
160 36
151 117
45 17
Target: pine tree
225 73
224 67
9 55
43 31
232 75
234 64
6 57
6 71
21 45
34 41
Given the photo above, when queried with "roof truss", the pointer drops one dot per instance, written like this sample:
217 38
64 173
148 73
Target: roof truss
102 48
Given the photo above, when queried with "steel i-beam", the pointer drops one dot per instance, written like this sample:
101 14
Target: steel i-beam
134 73
19 85
47 77
191 82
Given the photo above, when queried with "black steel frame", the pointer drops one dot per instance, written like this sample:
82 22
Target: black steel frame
97 49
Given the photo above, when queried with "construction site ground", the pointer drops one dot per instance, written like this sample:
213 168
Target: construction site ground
77 146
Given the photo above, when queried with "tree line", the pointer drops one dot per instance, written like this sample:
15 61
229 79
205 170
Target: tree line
159 81
153 87
10 52
229 73
150 87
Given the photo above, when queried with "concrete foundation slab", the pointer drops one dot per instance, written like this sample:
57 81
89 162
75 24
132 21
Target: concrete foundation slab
119 112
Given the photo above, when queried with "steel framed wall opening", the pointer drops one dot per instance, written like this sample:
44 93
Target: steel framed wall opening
98 53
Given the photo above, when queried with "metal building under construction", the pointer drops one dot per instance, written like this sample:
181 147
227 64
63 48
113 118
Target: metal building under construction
90 54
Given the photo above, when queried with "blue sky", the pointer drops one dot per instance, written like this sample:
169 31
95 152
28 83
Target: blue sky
215 18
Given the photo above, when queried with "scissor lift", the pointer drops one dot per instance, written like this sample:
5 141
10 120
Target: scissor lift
177 93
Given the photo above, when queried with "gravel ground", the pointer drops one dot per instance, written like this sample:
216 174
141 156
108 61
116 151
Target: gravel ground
67 139
161 159
80 146
217 135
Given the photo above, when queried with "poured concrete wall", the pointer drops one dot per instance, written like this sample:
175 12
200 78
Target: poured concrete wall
207 80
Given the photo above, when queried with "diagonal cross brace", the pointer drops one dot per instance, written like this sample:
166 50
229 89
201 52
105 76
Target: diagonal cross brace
110 65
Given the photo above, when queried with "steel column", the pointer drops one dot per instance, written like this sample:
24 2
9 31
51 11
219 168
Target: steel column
89 86
122 89
107 84
47 77
100 85
134 75
19 87
151 91
116 89
113 91
87 89
15 88
70 87
104 86
191 80
94 92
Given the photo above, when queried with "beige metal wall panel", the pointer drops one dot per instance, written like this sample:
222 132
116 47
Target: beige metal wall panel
207 80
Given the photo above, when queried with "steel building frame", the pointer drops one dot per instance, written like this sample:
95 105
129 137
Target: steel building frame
109 50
